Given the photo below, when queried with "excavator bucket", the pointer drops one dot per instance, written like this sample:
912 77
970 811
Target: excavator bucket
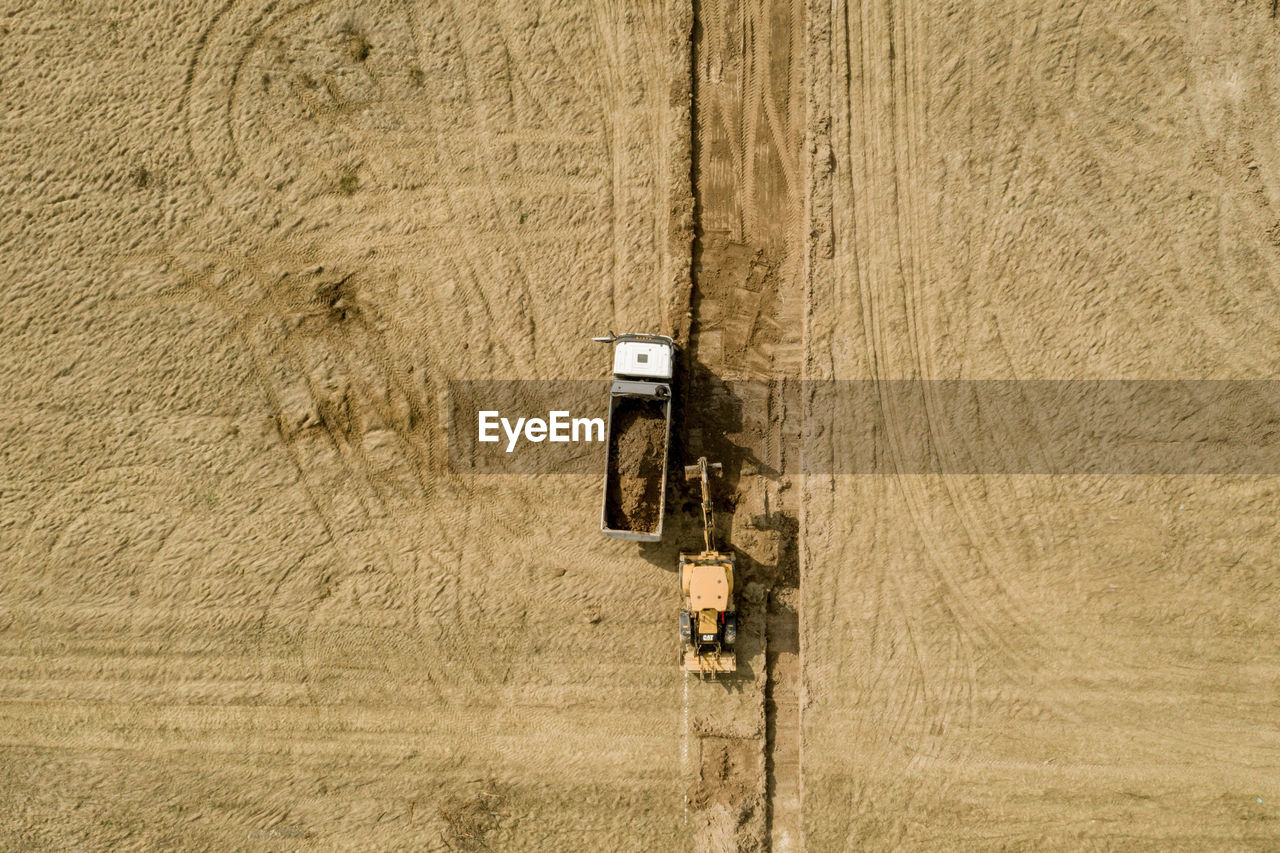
694 472
710 663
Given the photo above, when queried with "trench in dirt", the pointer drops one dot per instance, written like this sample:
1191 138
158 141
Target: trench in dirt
743 360
782 720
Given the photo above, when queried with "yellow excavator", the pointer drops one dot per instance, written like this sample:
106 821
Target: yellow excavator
709 620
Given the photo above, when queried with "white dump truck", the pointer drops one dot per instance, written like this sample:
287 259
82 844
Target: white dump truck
638 434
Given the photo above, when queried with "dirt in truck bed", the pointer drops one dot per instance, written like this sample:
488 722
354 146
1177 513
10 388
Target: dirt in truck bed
634 496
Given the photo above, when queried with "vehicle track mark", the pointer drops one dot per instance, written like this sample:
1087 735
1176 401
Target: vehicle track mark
274 357
746 324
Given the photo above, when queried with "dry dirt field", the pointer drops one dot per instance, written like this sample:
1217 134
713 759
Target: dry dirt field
247 603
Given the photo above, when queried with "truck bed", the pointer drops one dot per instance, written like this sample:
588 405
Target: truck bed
636 466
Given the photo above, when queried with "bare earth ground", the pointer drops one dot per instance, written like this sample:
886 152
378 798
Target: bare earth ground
244 604
1042 190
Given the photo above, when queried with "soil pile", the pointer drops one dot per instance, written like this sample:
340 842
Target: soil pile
634 495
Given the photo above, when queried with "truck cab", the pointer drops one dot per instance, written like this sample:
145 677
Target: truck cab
644 357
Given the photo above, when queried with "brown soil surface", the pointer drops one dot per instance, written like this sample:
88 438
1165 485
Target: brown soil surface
638 450
1059 190
726 773
245 604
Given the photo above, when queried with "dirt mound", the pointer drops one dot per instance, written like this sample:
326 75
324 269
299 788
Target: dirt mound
728 773
633 499
469 820
727 794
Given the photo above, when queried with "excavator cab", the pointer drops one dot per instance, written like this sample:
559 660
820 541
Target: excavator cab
709 625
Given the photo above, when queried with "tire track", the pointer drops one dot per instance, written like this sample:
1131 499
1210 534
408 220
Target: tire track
990 616
1016 631
747 305
269 352
206 92
983 617
884 80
